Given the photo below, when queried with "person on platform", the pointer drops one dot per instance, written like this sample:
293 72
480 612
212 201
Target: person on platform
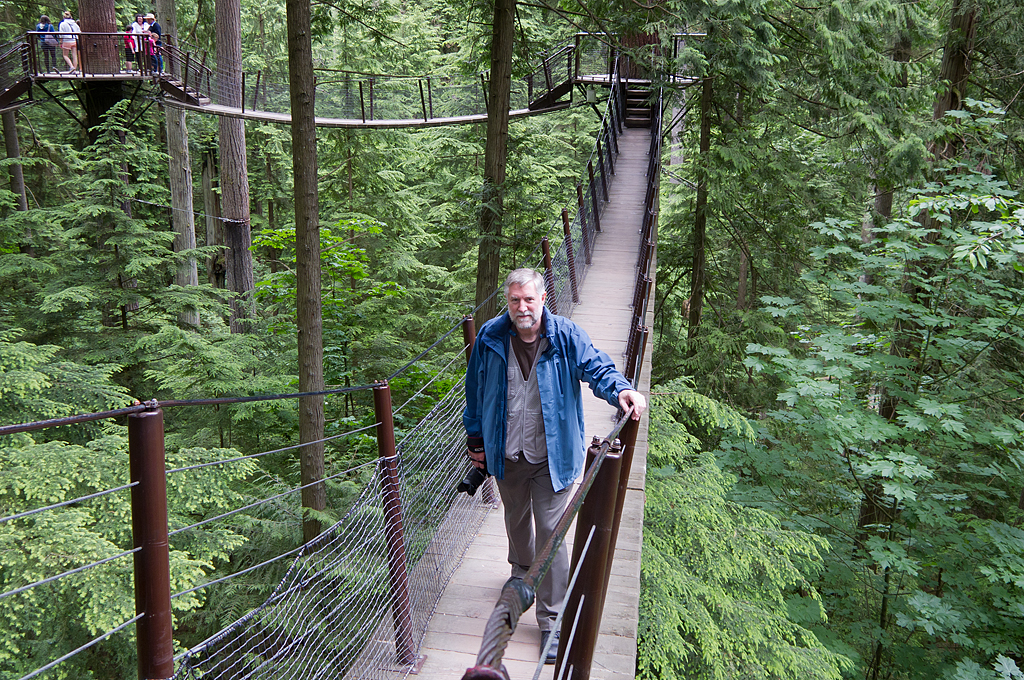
48 43
156 36
524 424
69 31
140 42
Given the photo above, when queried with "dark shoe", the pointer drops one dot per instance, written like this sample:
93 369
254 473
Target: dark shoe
552 651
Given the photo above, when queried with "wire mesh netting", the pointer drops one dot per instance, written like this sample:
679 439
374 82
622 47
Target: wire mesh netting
334 615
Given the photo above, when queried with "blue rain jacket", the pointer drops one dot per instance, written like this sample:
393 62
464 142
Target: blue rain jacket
569 358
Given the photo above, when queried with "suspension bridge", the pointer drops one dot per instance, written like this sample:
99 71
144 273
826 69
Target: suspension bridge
407 580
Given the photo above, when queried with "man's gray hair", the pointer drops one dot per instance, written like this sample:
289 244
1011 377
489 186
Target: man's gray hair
521 277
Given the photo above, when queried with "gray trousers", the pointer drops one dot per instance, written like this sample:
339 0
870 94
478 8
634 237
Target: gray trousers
530 501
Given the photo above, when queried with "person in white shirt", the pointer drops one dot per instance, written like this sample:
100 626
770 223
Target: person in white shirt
69 29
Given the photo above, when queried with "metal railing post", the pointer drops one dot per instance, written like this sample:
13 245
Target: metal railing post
604 178
549 276
570 255
610 144
362 101
468 334
423 99
582 212
593 194
430 98
583 605
398 576
154 633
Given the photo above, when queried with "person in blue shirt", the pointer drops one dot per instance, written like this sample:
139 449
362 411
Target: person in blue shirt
524 424
48 43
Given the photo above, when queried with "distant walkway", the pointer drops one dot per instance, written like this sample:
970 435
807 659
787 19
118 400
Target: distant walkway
454 633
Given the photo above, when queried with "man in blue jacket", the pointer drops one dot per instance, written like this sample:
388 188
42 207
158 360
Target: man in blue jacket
524 423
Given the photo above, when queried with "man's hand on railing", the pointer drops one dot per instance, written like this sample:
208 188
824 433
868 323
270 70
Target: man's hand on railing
632 399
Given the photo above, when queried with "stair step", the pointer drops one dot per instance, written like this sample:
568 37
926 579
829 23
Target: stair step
638 122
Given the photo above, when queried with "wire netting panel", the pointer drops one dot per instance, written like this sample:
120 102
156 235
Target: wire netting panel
331 616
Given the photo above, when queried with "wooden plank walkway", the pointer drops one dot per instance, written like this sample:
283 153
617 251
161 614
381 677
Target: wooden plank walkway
454 634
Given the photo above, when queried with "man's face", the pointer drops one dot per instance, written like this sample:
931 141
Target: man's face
524 305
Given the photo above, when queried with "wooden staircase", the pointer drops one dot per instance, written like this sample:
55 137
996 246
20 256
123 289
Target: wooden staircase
638 107
185 94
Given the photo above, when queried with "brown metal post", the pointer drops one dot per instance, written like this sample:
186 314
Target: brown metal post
628 438
483 87
587 597
549 275
468 334
154 634
430 98
593 193
423 99
577 52
362 102
584 231
570 255
243 92
398 576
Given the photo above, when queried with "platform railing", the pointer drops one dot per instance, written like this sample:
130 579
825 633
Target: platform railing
98 54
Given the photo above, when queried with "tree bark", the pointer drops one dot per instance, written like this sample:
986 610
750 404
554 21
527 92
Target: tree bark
234 171
955 68
98 56
180 176
307 262
700 219
214 225
488 267
182 213
14 152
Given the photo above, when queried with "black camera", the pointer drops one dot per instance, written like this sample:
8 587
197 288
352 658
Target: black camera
474 478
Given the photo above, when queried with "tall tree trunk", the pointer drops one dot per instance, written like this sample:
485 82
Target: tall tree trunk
488 264
700 218
182 213
214 225
96 55
234 171
14 153
955 68
180 173
307 261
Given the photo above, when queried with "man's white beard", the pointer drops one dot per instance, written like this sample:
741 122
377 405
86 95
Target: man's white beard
528 322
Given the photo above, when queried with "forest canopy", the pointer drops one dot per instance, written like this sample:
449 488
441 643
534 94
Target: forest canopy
837 343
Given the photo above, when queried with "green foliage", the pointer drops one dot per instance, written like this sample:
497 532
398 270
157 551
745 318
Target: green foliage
726 591
48 620
899 391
